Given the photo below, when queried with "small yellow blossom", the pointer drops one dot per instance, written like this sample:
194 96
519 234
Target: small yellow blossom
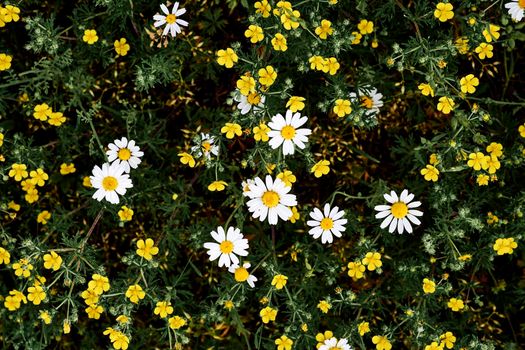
321 168
324 306
484 50
18 171
455 304
295 215
93 311
295 103
482 180
381 342
99 284
146 249
52 261
5 61
505 245
363 328
246 84
478 161
430 173
217 186
36 294
263 7
121 47
445 104
433 346
38 177
231 130
324 29
42 112
447 340
86 182
90 297
186 158
176 322
491 33
267 76
22 268
260 133
443 11
67 168
426 89
495 149
163 309
45 316
90 36
31 195
356 270
279 42
365 26
254 33
287 177
5 256
342 108
468 84
125 213
429 286
268 314
279 281
331 66
284 343
135 293
227 57
372 261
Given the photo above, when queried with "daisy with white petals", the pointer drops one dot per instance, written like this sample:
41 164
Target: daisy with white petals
368 98
205 146
254 101
241 274
124 153
516 9
230 244
110 182
326 224
285 131
171 20
399 213
270 199
333 343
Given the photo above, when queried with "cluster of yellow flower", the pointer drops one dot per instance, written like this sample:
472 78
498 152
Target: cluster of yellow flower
9 13
37 178
121 45
490 163
43 112
372 261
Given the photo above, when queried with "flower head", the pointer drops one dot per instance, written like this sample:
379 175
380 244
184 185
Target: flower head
429 286
52 261
241 274
135 293
455 304
279 281
368 98
110 182
121 47
443 11
326 223
229 245
284 343
505 246
227 57
334 343
268 314
372 261
124 153
163 309
171 20
90 36
445 104
146 249
286 131
399 213
516 9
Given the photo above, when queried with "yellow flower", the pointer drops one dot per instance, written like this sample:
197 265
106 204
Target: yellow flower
5 61
433 159
217 186
433 346
38 177
493 164
254 33
121 47
445 104
284 343
176 322
295 103
290 19
374 44
146 248
295 215
86 182
89 296
263 7
228 305
279 281
52 261
455 304
125 213
246 84
268 314
36 294
482 180
90 36
324 29
462 45
324 306
10 14
122 319
18 171
45 316
99 284
356 38
5 257
491 33
372 260
381 342
316 62
231 129
163 309
66 327
484 50
465 257
495 149
31 195
356 270
267 76
27 185
478 161
260 133
174 196
331 65
429 286
1 139
43 217
279 42
342 108
22 268
468 84
447 340
321 168
287 177
321 337
186 158
135 293
363 328
430 173
67 168
521 130
443 11
505 245
227 57
426 89
94 311
365 26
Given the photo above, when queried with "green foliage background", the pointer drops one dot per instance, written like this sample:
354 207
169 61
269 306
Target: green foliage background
163 93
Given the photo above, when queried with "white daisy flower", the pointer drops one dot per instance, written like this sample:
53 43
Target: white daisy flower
399 213
124 153
333 343
231 244
241 274
206 146
254 100
369 98
110 181
326 224
172 20
246 187
270 199
285 132
516 9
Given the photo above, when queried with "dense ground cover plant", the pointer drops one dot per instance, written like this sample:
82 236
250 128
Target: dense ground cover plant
262 175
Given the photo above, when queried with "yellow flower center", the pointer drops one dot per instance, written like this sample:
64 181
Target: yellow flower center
171 18
367 102
206 146
399 210
521 4
254 98
327 224
109 183
124 154
226 247
270 199
288 132
335 348
241 274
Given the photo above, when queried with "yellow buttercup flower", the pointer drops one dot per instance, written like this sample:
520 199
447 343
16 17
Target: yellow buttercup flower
372 261
295 103
94 311
342 107
287 177
495 149
356 270
43 217
90 36
443 11
381 342
426 89
445 104
98 284
246 84
263 7
468 84
163 309
430 173
217 186
279 42
121 47
135 293
260 133
125 213
231 130
146 249
5 256
284 343
52 261
324 306
5 61
478 161
254 33
324 29
363 328
365 27
18 171
492 32
186 158
67 168
176 322
227 57
505 245
484 50
36 294
295 215
455 304
279 281
267 76
331 66
268 314
321 168
429 286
